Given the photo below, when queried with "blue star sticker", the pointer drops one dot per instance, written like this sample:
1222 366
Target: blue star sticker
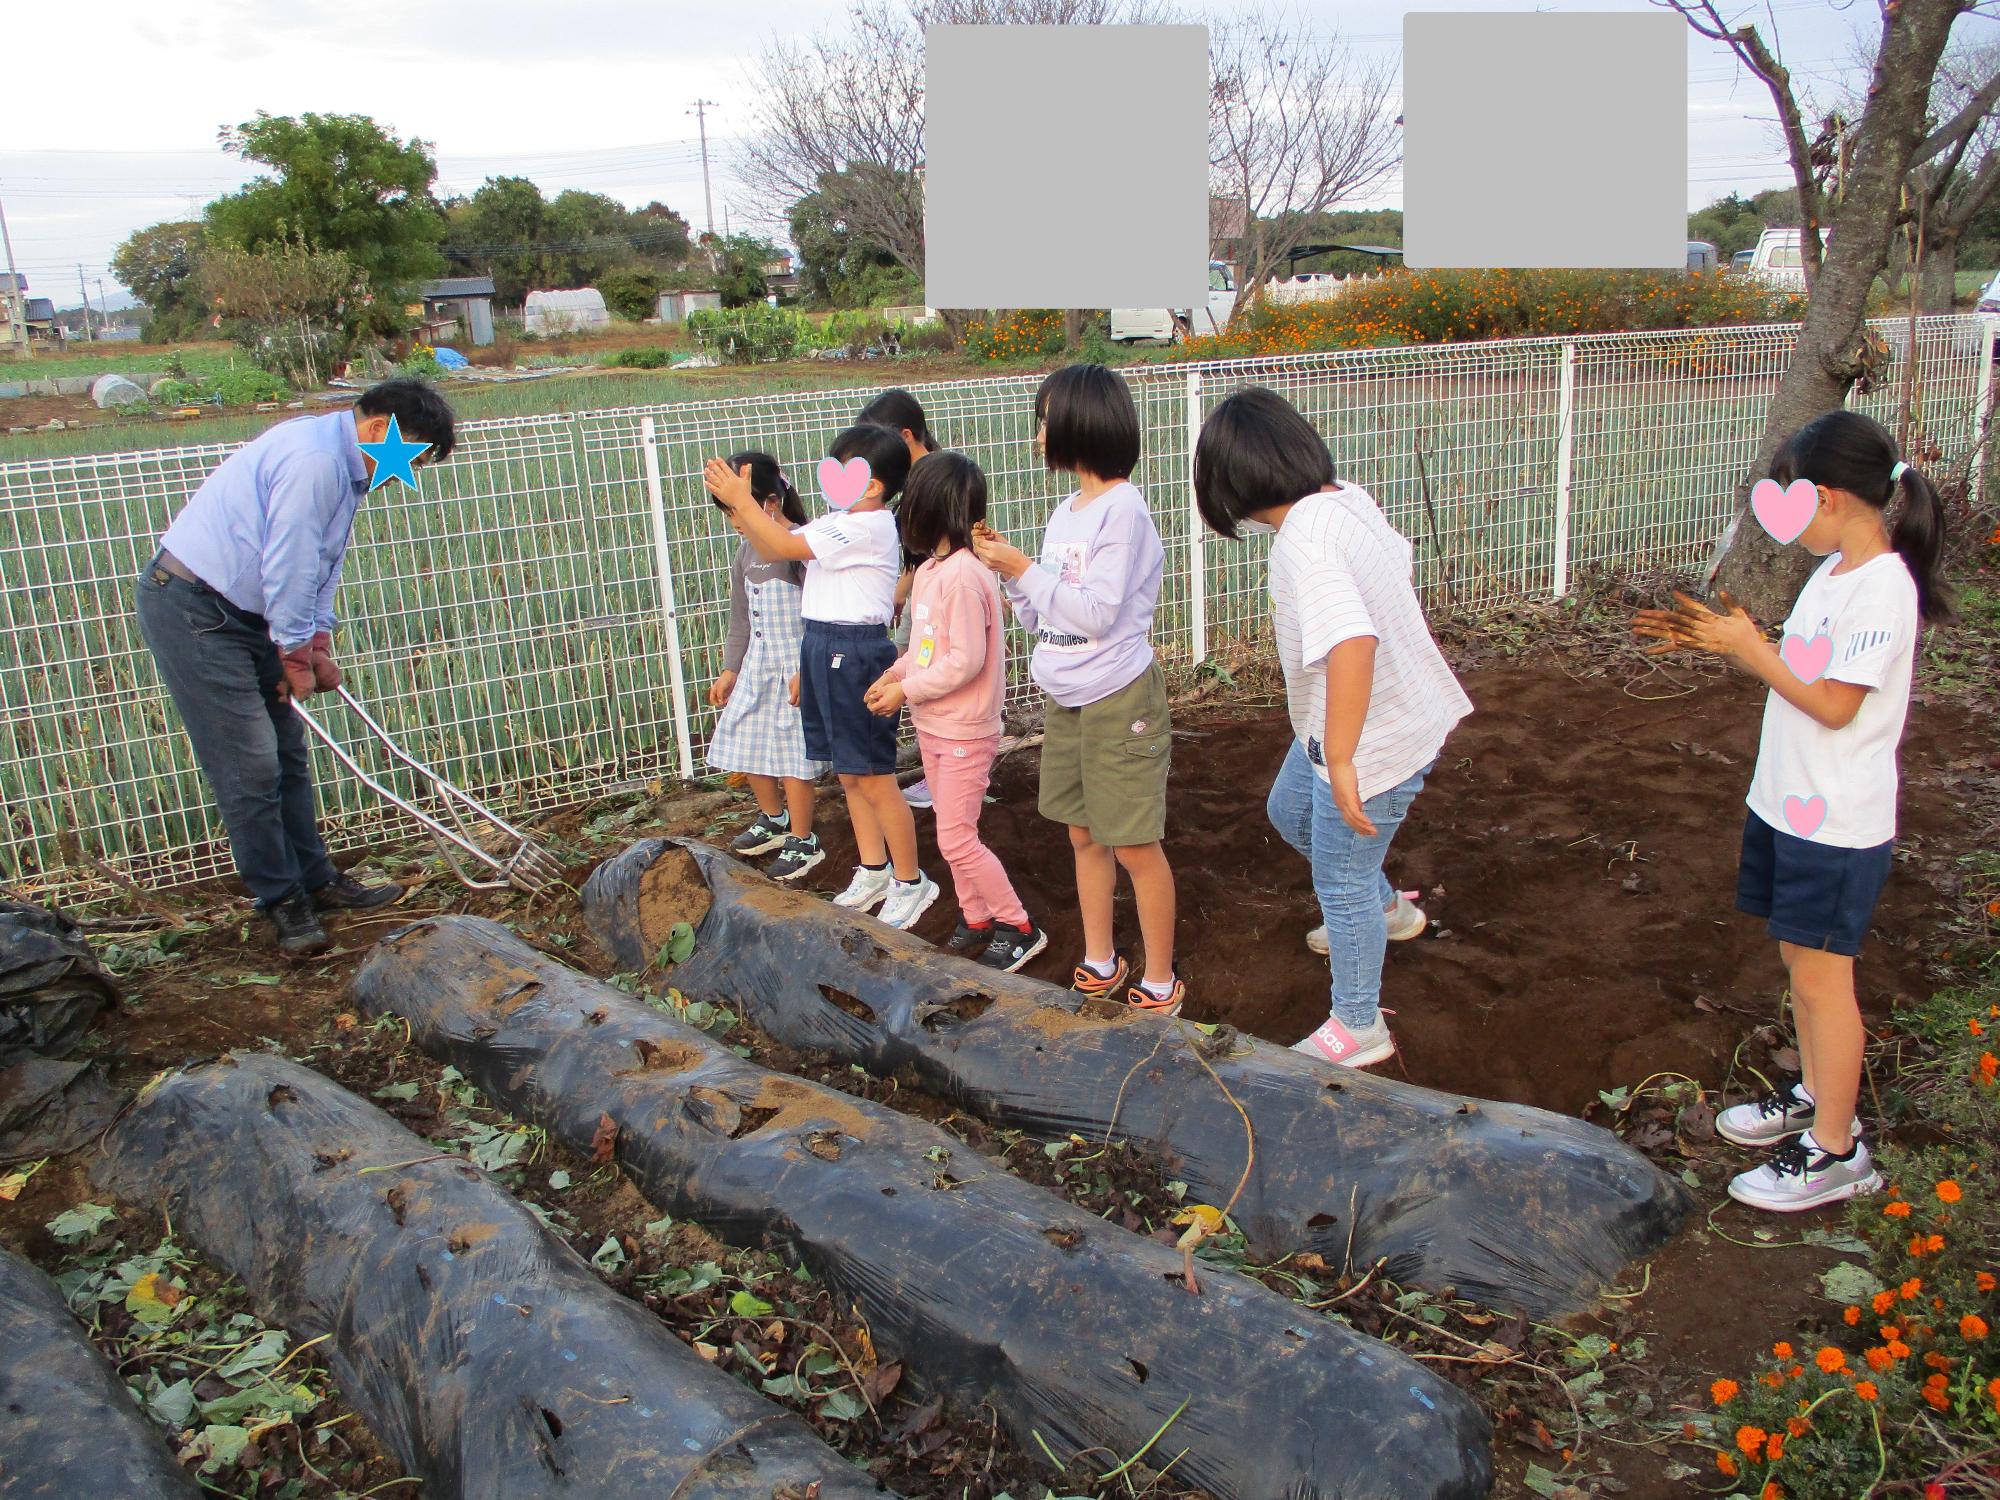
393 457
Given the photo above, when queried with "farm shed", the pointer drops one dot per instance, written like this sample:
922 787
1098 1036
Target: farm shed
673 307
467 300
575 311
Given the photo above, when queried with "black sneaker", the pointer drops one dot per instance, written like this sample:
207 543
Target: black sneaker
761 837
299 932
345 893
1013 946
798 856
970 942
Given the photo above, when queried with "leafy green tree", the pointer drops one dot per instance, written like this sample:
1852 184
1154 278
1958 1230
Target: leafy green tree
495 231
740 262
840 265
588 234
631 292
661 235
296 310
158 265
338 183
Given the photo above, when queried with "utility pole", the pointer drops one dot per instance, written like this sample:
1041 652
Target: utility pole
84 292
17 326
700 113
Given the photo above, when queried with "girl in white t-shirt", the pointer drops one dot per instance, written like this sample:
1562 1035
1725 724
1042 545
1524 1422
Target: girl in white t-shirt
1371 696
853 557
1819 840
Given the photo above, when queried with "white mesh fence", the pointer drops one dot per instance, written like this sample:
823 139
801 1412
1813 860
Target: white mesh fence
542 622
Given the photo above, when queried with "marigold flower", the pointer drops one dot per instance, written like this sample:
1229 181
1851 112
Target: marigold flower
1726 1462
1916 1247
1771 1491
1830 1360
1934 1244
1910 1288
1938 1397
1796 1371
1782 1350
1751 1441
1774 1449
1935 1382
1937 1362
1798 1427
1972 1327
1984 1281
1896 1210
1771 1378
1883 1302
1851 1317
1879 1359
1898 1348
1722 1392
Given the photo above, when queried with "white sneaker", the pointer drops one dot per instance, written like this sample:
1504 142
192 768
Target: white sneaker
918 793
1406 920
1334 1043
906 903
866 889
1802 1174
1768 1119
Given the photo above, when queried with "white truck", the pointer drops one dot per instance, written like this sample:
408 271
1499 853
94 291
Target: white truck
1171 325
1778 261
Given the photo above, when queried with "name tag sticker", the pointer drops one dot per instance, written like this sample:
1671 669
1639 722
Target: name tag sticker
837 660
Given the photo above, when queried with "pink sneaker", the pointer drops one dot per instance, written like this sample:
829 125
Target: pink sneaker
1334 1043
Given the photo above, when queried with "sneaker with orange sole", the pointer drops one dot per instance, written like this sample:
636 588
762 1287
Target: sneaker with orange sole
1087 982
1142 999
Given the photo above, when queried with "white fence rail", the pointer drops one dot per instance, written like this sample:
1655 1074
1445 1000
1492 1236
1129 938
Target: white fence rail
543 620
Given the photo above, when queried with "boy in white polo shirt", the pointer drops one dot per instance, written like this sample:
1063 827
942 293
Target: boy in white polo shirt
853 558
1371 696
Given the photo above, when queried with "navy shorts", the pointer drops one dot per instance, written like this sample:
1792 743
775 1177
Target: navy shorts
837 666
1814 895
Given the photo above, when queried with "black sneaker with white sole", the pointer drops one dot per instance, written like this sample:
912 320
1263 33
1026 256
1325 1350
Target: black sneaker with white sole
1013 946
798 856
761 837
970 942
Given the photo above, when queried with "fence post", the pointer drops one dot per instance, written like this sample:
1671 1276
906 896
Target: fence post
656 497
1982 422
1565 448
1197 550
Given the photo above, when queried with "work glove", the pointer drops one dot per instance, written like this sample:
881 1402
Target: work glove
326 671
300 681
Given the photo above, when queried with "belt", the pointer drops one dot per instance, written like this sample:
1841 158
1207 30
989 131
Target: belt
167 563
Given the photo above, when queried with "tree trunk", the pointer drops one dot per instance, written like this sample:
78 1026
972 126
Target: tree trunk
1834 347
956 320
1072 329
1940 278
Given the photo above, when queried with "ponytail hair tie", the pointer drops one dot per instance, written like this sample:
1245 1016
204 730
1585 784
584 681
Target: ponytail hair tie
1896 474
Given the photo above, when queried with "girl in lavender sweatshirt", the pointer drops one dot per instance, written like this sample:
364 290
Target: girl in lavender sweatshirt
1106 731
953 677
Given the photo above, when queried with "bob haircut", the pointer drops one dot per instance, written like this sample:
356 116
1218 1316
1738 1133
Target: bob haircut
768 482
897 408
1093 426
946 496
883 447
1255 453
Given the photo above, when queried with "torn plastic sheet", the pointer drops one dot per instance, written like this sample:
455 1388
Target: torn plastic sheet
68 1428
51 985
988 1288
487 1357
1514 1207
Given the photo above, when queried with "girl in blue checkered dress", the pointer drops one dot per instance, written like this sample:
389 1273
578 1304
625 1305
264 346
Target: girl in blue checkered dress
760 733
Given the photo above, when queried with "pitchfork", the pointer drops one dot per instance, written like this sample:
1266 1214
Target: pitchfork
529 867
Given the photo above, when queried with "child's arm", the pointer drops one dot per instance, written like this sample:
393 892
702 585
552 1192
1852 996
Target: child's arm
1738 639
1350 683
997 553
1088 606
774 540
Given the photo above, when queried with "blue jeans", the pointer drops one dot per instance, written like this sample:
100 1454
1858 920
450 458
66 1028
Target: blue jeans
221 668
1354 894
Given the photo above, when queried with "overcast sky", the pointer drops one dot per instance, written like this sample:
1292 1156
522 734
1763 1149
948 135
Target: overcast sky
113 127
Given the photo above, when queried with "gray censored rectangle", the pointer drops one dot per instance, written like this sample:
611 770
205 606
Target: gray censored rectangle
1544 140
1066 166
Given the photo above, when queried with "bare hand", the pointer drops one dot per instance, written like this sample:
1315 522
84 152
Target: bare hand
994 550
731 489
1692 626
720 689
792 692
884 697
1347 796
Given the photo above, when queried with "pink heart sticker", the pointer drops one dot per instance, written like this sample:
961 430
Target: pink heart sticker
1805 814
843 483
1808 659
1785 513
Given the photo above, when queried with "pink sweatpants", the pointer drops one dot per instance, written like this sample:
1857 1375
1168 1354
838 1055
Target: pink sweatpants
957 771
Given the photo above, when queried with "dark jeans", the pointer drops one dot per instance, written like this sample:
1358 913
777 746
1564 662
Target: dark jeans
222 669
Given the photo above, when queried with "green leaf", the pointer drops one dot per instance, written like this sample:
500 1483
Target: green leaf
403 1091
843 1406
1542 1481
747 1304
610 1255
1848 1282
559 1179
784 1385
1616 1098
220 1446
680 943
657 1229
171 1405
1834 1239
1588 1350
80 1223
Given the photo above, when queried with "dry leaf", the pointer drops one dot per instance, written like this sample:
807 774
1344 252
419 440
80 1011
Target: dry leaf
604 1144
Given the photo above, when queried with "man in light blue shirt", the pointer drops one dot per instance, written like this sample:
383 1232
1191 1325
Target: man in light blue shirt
237 609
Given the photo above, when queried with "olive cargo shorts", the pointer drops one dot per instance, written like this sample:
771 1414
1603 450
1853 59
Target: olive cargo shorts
1104 766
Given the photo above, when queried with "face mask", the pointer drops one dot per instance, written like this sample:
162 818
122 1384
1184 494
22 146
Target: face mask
1255 528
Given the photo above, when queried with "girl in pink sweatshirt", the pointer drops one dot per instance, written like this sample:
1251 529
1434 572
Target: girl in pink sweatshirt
952 677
